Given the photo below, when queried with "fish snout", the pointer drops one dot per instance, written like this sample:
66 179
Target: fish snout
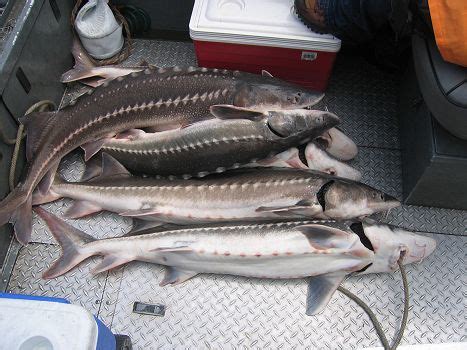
330 119
303 99
418 249
383 201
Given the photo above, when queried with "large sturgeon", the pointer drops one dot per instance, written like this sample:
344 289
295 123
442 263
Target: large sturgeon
245 194
214 145
327 251
155 98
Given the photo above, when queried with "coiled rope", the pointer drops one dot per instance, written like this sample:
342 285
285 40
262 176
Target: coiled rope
378 328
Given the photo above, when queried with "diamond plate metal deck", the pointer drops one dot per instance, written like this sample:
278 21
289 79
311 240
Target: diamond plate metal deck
231 312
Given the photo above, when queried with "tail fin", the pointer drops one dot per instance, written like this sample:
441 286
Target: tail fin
72 241
16 209
83 65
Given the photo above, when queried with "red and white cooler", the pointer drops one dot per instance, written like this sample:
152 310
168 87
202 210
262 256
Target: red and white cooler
252 35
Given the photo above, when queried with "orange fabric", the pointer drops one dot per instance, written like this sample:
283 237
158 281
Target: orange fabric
449 18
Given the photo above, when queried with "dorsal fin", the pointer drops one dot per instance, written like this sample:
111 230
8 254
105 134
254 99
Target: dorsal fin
324 237
111 168
265 73
36 124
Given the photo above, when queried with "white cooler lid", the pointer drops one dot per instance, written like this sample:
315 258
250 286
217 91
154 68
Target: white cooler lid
256 22
31 324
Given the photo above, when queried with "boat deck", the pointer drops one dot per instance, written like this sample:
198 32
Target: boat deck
211 311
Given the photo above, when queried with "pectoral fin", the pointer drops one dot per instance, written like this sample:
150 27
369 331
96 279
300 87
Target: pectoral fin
233 112
301 208
320 290
324 237
176 276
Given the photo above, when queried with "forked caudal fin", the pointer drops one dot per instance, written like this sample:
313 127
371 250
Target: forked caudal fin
72 241
16 209
76 247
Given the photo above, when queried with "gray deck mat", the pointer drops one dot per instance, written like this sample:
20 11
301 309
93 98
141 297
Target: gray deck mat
223 311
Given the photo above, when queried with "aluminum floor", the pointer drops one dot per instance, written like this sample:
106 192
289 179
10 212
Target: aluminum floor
212 311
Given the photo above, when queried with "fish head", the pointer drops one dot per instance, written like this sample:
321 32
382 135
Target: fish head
391 243
319 160
296 122
336 143
346 199
269 93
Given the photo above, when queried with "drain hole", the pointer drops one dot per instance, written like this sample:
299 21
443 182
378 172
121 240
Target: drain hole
357 227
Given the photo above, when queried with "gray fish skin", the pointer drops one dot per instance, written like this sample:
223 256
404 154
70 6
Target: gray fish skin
245 194
327 250
157 98
215 145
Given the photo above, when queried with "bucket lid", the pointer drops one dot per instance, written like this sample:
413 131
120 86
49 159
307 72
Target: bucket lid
256 22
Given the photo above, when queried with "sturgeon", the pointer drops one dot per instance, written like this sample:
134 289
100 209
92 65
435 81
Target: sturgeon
236 137
154 98
326 251
244 194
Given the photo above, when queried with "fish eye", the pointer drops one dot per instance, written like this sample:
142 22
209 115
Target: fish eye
299 93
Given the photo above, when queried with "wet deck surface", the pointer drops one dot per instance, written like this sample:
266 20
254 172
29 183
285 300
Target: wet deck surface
212 311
